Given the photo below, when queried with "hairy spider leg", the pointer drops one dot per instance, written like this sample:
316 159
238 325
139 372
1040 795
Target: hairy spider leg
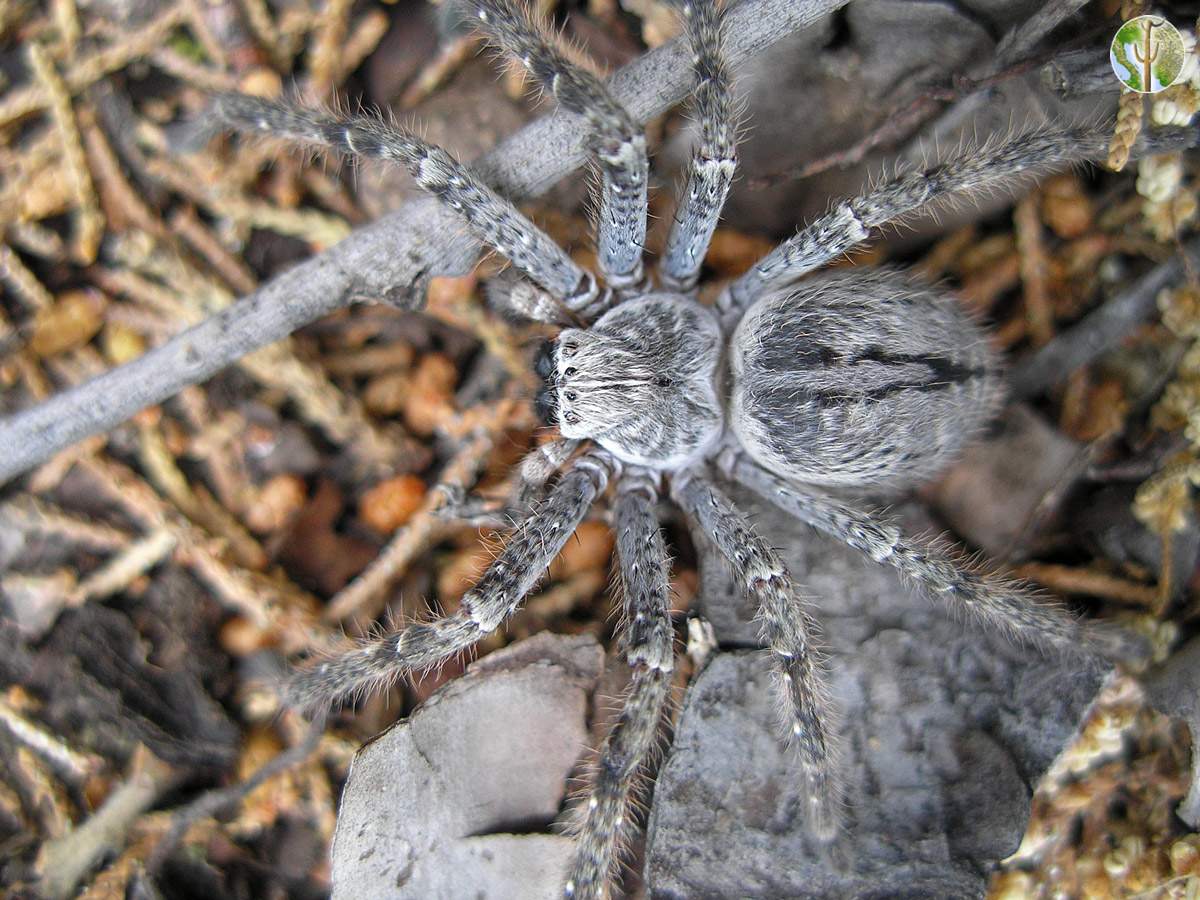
493 219
994 599
499 592
617 142
850 222
789 632
536 469
647 641
714 161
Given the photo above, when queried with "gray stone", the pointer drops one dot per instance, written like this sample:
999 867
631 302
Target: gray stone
1005 489
944 731
1174 690
431 805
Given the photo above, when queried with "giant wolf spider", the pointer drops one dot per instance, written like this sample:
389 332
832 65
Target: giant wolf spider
790 386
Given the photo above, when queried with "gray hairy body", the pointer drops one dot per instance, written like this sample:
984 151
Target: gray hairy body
850 379
793 383
864 379
643 381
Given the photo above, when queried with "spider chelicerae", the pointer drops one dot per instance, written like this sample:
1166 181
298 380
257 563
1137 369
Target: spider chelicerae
794 385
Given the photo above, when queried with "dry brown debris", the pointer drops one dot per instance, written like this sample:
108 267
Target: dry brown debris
1103 821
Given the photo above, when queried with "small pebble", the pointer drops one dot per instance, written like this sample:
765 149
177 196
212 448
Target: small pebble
121 344
241 637
262 82
1012 885
71 322
431 400
392 502
1185 855
388 393
278 500
1066 207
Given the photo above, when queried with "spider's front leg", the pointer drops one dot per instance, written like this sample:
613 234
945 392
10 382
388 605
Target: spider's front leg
787 630
493 219
997 600
648 646
525 557
714 161
617 142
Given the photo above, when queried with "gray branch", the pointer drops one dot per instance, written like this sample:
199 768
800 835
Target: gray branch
1099 331
390 260
1079 73
1021 41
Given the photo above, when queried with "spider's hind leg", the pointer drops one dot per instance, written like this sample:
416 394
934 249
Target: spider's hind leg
511 576
648 646
787 630
997 600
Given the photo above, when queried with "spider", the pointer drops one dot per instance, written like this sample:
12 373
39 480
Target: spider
805 388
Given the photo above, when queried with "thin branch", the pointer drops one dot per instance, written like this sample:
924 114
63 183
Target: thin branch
390 260
1099 331
64 862
1079 73
1022 39
922 108
1011 60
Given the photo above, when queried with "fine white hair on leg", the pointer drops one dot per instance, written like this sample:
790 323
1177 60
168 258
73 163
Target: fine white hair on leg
534 473
994 599
617 142
496 596
495 220
848 224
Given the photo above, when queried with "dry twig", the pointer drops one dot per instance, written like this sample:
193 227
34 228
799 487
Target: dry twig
64 862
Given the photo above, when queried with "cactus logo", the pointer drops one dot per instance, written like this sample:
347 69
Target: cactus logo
1147 54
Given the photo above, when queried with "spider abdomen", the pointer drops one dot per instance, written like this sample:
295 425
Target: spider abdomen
857 379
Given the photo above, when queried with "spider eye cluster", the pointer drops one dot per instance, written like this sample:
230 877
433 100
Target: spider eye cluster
545 401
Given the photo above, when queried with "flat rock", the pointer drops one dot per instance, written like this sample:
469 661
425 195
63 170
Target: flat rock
454 801
944 732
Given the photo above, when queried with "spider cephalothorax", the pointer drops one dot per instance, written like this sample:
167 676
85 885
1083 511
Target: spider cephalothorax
789 385
644 381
